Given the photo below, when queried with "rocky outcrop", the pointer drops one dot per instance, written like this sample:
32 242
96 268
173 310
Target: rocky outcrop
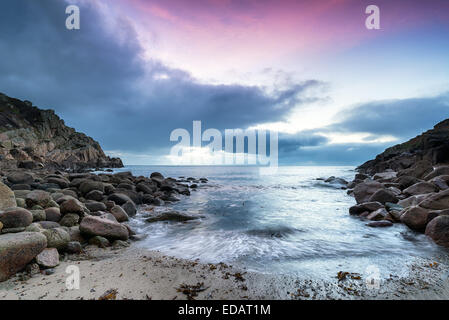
416 156
101 226
17 250
408 183
54 213
31 138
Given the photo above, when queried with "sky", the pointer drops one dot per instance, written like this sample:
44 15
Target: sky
337 92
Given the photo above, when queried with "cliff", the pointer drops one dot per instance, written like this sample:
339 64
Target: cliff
428 149
31 137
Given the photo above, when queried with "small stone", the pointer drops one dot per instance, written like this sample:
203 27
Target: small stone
100 242
16 218
38 215
53 214
56 238
49 258
73 247
120 214
69 220
380 224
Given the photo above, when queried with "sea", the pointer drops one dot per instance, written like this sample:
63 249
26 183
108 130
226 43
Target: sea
287 222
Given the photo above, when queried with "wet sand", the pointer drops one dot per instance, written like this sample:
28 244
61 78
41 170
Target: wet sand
134 273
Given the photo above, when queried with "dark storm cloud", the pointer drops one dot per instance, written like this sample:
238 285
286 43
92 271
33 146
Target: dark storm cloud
336 154
96 80
403 118
291 143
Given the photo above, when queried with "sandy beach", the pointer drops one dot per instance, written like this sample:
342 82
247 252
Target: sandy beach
138 274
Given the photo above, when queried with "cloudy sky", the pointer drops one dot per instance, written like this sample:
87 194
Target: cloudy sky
337 92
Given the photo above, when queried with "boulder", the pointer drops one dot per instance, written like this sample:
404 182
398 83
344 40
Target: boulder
108 189
16 218
420 188
380 224
100 242
441 182
130 208
34 227
414 200
64 198
70 192
94 195
69 220
184 189
49 187
107 215
94 206
17 250
336 180
385 176
436 213
48 258
21 203
74 247
146 188
38 197
119 198
415 217
56 238
53 214
127 186
367 206
7 197
21 187
100 226
393 206
418 169
438 230
89 185
61 182
363 191
439 171
21 193
118 244
38 215
383 196
158 202
407 181
396 214
147 199
75 235
171 216
119 213
48 224
72 206
20 178
437 201
157 176
361 176
134 196
377 215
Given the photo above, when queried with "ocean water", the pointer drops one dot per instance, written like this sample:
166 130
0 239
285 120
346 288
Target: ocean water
288 222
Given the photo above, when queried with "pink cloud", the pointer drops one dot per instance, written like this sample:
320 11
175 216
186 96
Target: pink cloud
227 30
